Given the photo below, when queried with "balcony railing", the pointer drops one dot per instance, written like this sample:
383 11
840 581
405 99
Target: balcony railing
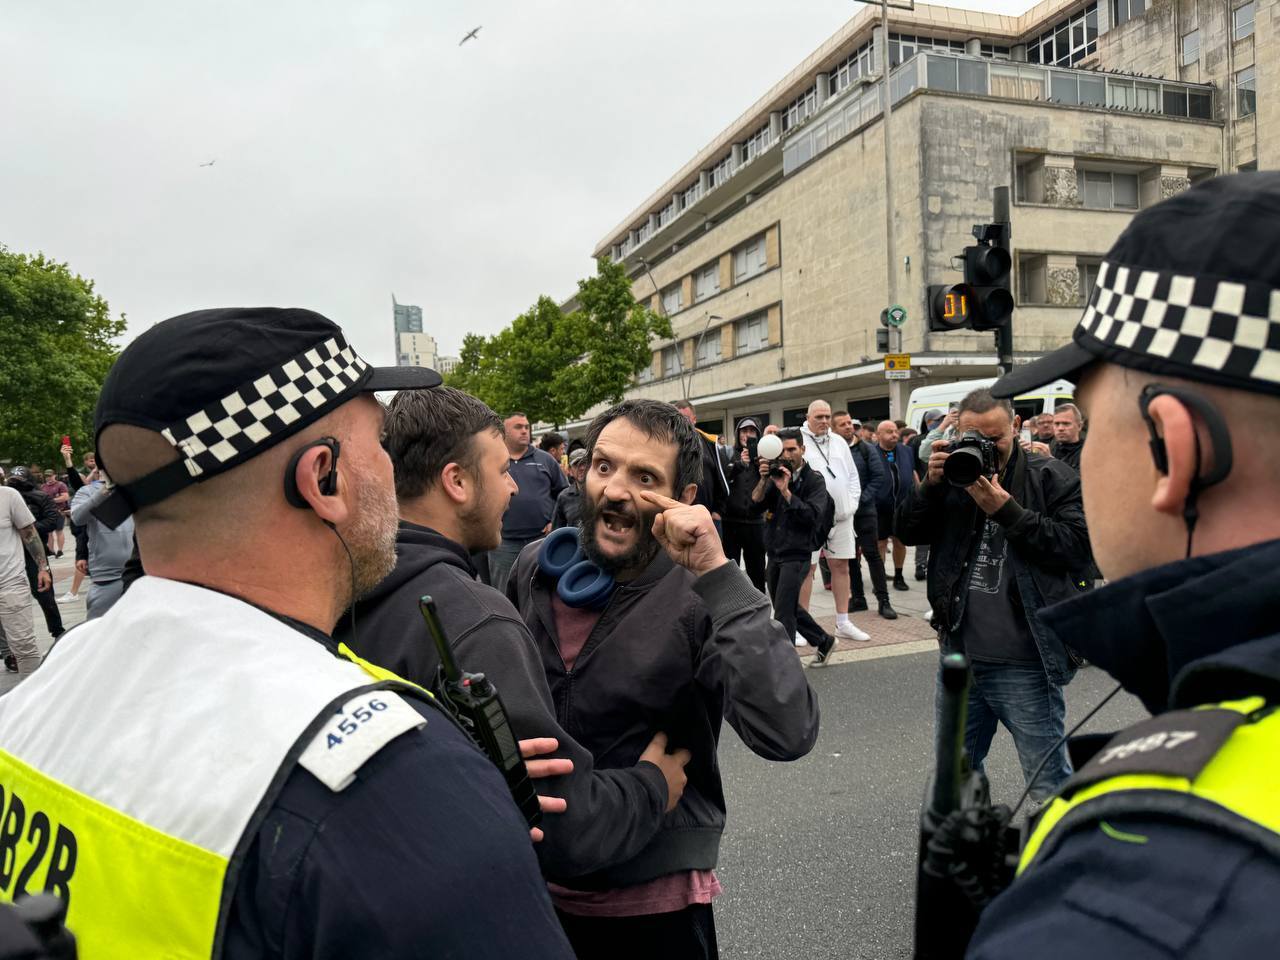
1011 81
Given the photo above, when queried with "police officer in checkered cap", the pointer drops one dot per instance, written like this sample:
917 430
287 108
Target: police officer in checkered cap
203 771
1166 841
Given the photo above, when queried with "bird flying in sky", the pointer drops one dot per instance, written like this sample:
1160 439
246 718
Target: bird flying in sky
210 163
473 35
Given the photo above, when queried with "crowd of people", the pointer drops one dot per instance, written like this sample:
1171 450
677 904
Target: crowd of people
246 739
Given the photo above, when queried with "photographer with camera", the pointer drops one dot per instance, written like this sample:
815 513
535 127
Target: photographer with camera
799 512
1005 527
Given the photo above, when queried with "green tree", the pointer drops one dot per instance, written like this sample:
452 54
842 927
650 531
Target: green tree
55 350
554 366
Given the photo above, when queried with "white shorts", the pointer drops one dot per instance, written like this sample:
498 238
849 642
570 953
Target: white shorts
841 545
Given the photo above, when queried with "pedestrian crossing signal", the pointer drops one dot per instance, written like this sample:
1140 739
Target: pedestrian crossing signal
983 301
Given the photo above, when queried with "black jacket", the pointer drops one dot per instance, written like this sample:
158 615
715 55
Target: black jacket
1193 632
713 488
1044 528
1068 453
676 653
612 814
742 479
43 509
790 527
568 507
873 475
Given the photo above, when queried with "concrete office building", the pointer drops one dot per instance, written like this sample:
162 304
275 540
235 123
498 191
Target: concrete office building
768 248
446 365
413 347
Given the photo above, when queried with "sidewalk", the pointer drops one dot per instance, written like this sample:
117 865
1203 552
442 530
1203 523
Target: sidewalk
910 627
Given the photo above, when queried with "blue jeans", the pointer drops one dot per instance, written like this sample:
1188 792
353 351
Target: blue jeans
1032 709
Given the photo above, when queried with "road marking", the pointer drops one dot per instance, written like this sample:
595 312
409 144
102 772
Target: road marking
879 653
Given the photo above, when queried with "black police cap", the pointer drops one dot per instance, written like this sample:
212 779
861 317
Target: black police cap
1191 289
221 386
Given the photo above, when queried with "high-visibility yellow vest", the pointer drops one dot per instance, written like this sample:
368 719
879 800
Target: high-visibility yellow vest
1235 789
137 763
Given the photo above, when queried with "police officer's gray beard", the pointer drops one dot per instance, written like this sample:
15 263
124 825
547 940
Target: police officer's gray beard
371 534
637 558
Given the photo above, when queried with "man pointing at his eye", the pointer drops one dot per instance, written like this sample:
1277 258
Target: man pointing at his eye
666 634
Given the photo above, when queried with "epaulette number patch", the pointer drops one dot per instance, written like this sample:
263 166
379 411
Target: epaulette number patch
1176 744
360 728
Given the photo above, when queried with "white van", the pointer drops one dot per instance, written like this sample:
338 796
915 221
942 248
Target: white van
942 395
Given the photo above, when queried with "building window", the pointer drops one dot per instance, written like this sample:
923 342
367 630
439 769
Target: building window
1191 48
646 374
1033 278
691 195
1105 190
722 171
1242 21
749 259
706 282
1246 94
902 47
994 52
752 333
1123 11
799 109
707 350
1088 267
673 299
670 361
860 63
756 144
1068 42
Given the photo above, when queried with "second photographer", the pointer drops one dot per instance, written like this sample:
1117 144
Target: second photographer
799 517
1005 528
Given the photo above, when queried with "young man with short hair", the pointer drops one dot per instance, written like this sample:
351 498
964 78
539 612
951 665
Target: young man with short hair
682 635
453 483
1067 426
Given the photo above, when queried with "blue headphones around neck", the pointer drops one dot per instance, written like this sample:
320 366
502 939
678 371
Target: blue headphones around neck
579 582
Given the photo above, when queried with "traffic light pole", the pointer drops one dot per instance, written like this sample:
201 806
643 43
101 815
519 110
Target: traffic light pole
1004 333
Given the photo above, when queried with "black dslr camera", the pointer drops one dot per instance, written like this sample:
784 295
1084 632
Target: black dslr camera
972 456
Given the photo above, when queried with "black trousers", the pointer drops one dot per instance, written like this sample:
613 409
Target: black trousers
866 530
48 602
785 580
688 934
746 540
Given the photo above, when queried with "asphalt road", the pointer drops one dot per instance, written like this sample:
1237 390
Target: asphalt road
818 860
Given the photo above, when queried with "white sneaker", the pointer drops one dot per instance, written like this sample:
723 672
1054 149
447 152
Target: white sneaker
69 598
800 641
847 631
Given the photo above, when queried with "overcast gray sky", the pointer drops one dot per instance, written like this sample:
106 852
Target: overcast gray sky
359 150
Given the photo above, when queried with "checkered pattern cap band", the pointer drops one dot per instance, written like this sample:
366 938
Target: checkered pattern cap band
266 407
1202 328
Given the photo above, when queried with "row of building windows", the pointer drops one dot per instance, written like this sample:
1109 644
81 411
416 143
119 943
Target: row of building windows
902 47
1122 11
749 259
860 63
750 335
1067 43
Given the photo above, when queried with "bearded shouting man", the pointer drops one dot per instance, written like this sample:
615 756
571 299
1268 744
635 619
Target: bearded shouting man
680 640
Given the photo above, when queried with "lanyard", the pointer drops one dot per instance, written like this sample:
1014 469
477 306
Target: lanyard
818 446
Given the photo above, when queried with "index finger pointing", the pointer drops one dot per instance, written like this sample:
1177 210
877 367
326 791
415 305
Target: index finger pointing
658 500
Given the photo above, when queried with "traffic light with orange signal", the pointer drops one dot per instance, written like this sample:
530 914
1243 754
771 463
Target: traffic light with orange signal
984 301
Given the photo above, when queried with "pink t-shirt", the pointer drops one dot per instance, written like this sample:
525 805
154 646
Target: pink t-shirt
666 894
573 627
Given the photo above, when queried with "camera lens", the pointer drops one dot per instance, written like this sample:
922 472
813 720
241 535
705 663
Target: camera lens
963 467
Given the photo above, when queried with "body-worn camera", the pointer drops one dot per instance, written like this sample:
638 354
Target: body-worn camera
972 456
